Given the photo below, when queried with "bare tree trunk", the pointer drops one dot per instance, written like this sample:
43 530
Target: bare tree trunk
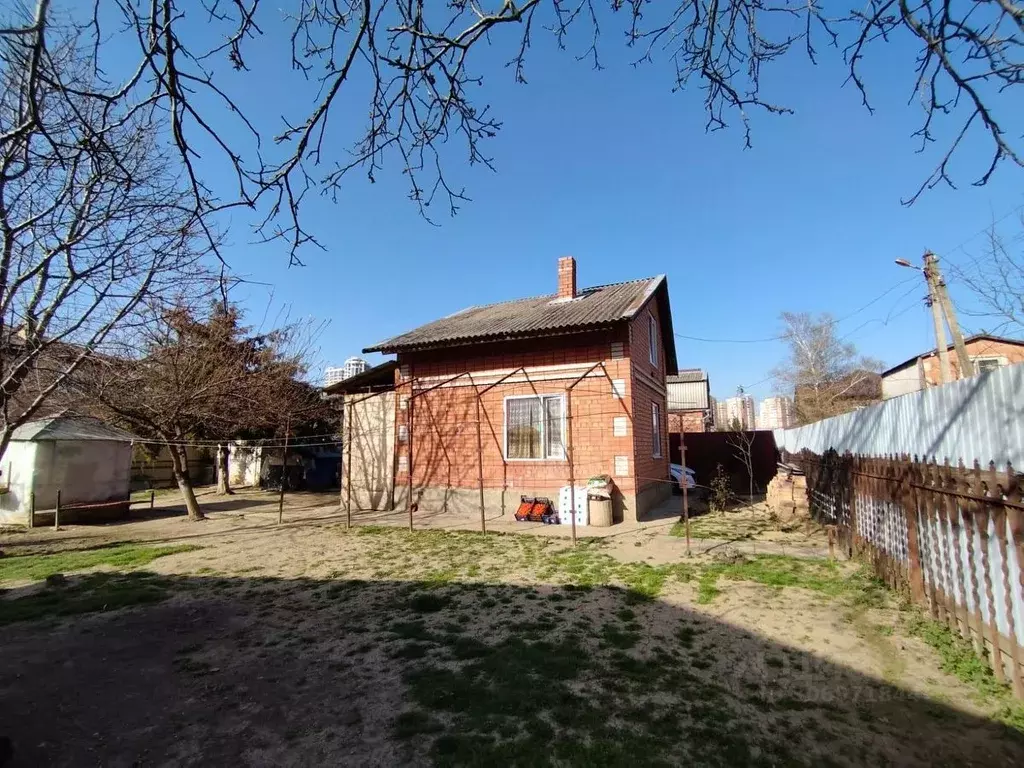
223 479
179 465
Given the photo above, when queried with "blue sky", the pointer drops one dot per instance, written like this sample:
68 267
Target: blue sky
615 169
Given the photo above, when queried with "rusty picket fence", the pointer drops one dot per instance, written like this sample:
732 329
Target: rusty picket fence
951 536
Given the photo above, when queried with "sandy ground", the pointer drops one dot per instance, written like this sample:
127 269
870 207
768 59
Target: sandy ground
308 643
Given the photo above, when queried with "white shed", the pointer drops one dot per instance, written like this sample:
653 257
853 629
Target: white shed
88 461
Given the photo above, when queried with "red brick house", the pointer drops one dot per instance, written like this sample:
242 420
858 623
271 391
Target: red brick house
510 399
987 352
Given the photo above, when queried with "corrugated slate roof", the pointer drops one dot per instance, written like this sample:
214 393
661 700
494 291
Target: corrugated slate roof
70 428
592 308
687 376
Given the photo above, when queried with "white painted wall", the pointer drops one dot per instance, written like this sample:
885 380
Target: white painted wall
902 381
17 465
83 470
244 462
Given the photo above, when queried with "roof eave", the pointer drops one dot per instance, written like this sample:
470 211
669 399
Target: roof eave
391 349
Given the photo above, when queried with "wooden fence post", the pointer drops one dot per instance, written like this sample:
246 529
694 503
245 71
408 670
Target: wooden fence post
963 487
1012 493
958 584
931 473
908 498
996 657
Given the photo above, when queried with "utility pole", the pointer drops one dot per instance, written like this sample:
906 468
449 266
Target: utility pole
931 264
941 306
940 332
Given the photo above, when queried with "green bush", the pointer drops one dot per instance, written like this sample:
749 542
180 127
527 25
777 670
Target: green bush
720 490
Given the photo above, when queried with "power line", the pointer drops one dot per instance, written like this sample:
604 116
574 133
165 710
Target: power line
983 230
783 336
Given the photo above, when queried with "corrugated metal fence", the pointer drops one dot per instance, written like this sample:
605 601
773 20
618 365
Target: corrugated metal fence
952 535
980 418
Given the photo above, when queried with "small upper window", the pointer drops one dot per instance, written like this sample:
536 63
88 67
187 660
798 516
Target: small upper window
652 339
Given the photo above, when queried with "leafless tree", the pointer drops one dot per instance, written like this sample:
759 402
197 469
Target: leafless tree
742 443
826 375
418 67
94 221
187 376
996 280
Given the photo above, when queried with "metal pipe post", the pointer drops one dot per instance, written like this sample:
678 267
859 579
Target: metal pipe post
347 458
284 469
572 471
686 498
480 465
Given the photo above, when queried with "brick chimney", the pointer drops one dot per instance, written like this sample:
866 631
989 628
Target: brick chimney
567 277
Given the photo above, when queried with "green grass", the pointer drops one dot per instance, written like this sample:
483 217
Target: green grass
138 497
780 571
122 556
517 700
957 657
95 592
717 527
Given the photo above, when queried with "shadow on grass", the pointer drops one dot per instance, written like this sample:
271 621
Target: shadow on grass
299 671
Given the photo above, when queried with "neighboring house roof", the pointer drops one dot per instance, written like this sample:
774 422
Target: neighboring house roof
687 376
62 427
951 347
602 306
372 379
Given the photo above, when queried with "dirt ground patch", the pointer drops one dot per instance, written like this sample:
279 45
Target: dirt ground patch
313 644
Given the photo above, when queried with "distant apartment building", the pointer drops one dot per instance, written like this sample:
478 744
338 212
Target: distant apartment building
352 367
776 413
333 374
739 408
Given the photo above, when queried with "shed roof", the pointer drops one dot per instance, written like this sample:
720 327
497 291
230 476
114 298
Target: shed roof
598 307
687 376
380 377
66 427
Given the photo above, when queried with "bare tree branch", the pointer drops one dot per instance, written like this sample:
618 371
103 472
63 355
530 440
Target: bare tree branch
826 376
414 66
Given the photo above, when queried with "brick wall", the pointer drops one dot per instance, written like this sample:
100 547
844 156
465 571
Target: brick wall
445 451
648 387
1012 353
686 421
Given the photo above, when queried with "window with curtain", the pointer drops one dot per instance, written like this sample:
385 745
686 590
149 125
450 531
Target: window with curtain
534 427
983 364
656 429
652 339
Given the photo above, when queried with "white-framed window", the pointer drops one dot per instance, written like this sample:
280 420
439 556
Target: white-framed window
656 429
652 339
983 364
534 427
